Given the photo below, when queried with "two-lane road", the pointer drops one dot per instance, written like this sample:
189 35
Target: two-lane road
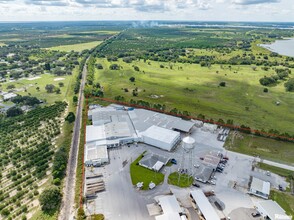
67 206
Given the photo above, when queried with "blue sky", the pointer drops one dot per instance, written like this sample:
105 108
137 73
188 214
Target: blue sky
208 10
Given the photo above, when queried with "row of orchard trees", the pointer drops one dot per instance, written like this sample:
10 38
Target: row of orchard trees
26 150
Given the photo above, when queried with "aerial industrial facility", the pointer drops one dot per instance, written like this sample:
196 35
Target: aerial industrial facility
114 126
167 145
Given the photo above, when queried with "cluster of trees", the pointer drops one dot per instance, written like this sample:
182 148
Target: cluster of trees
91 70
80 75
50 88
290 85
59 165
14 111
25 100
50 199
114 66
92 89
281 74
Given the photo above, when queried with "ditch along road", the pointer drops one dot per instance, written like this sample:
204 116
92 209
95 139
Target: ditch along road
67 210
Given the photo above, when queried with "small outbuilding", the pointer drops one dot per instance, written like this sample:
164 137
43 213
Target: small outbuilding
260 188
153 162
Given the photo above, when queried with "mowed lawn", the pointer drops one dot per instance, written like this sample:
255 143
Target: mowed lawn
285 200
266 148
196 89
142 174
26 87
76 47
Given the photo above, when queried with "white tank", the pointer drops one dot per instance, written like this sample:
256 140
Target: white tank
188 143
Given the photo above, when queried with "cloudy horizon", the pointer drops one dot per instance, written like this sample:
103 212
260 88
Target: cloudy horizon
194 10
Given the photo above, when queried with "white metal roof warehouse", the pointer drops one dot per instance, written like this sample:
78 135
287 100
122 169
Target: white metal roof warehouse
272 210
160 137
96 154
170 207
260 188
203 205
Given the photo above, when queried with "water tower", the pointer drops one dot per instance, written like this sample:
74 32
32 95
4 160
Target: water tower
186 165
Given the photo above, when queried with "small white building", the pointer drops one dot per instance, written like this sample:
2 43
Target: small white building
161 137
96 155
8 96
203 206
212 128
271 210
170 208
260 188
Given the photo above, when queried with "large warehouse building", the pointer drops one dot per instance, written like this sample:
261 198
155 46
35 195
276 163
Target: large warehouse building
161 137
115 125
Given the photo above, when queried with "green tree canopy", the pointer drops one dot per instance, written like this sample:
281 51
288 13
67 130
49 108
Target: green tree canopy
50 199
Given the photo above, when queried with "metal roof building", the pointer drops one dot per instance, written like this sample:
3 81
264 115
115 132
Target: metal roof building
272 210
260 188
143 119
153 162
203 206
96 154
161 137
170 208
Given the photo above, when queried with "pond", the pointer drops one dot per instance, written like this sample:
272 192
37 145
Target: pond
282 47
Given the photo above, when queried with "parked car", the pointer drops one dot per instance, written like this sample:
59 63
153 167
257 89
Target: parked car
257 214
196 165
173 161
281 188
196 185
212 182
201 158
219 170
225 158
222 165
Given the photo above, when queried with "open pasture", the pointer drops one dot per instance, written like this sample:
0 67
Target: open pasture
196 89
265 148
76 47
36 87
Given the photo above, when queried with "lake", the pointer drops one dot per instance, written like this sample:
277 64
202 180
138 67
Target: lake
283 47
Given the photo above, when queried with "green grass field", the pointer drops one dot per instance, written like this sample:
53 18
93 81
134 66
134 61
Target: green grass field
280 171
185 180
285 200
141 174
30 86
266 148
76 47
196 89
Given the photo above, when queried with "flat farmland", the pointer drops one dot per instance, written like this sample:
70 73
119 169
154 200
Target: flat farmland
25 86
76 47
196 89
